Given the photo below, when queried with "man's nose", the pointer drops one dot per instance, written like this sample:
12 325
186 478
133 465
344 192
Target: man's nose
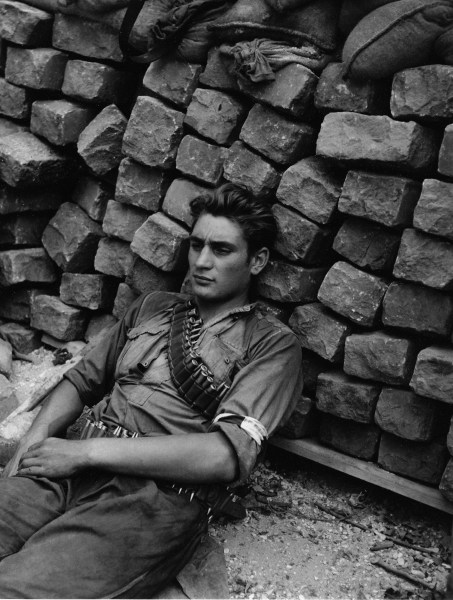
204 258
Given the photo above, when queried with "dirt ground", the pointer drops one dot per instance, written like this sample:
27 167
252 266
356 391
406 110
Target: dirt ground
291 545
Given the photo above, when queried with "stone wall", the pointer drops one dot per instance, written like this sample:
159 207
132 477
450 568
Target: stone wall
98 162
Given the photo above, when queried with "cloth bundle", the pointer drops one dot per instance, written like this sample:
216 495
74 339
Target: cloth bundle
258 60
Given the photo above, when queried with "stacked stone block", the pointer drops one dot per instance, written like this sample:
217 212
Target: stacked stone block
97 168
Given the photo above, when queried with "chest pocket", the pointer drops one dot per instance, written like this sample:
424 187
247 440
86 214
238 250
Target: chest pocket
221 358
146 345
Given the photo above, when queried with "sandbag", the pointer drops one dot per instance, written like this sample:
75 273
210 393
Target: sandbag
315 22
80 7
282 5
443 47
352 11
177 27
394 37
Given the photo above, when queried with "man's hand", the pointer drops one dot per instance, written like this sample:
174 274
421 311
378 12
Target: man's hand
53 457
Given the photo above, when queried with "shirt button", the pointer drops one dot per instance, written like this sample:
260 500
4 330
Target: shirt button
227 360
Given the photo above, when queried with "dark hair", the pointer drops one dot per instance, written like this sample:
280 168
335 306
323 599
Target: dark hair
254 216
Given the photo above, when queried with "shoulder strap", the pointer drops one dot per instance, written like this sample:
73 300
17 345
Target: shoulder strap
132 12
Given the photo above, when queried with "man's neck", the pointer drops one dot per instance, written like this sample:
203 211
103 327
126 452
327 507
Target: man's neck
210 310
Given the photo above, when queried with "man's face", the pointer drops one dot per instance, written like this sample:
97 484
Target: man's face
220 267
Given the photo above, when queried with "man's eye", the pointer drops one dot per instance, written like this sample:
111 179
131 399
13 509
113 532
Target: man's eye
222 251
195 245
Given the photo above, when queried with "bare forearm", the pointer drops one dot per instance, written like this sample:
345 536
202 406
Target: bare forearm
183 458
59 410
189 459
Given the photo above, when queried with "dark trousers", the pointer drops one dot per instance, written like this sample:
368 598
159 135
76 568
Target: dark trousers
92 536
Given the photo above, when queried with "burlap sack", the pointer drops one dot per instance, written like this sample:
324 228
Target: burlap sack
352 11
443 47
177 27
394 37
282 5
316 22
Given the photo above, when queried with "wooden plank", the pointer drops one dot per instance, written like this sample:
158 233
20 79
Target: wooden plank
366 471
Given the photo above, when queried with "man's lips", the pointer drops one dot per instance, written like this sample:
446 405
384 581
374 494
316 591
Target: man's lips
202 278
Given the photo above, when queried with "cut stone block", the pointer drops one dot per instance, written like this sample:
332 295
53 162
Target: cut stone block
196 158
380 356
311 187
26 161
218 73
59 121
377 141
91 291
19 201
423 93
418 309
122 221
299 239
336 93
446 153
303 422
347 398
51 315
425 259
356 439
320 331
283 282
86 38
8 127
36 68
100 142
434 210
352 293
140 186
276 137
381 198
423 461
98 327
113 257
178 197
28 265
367 245
291 91
406 415
92 195
22 230
162 243
433 374
246 169
15 102
24 25
22 339
143 278
312 366
153 133
446 483
124 298
71 239
95 83
15 303
6 358
172 80
214 115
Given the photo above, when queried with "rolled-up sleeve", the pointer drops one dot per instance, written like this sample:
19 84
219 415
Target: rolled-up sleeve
266 390
93 376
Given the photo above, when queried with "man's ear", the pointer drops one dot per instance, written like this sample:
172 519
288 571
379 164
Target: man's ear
259 261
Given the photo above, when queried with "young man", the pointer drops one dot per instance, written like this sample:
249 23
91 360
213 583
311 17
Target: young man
184 392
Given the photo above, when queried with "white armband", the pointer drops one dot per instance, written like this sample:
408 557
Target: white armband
251 426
